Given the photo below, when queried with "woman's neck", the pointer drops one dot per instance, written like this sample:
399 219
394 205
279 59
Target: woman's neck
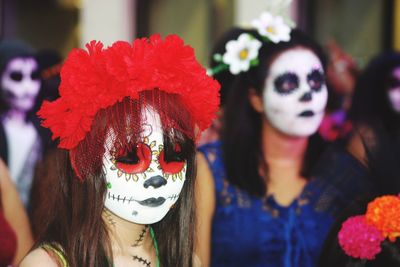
127 235
284 157
16 116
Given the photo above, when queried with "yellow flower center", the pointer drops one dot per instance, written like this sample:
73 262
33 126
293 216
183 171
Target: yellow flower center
271 30
244 54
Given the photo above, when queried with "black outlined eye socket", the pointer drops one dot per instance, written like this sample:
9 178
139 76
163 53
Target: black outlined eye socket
136 159
16 76
286 83
35 75
172 162
316 80
393 83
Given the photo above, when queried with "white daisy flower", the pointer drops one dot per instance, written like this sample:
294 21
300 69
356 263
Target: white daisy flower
239 53
272 27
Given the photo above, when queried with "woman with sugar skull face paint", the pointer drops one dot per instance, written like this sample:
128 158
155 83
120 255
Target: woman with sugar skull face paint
258 202
375 142
295 94
21 139
376 124
128 116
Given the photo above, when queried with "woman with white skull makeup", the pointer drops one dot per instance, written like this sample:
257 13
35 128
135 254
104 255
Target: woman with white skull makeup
129 116
258 203
20 134
375 115
376 143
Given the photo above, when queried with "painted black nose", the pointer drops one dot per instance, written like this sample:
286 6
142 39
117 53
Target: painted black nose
155 181
306 97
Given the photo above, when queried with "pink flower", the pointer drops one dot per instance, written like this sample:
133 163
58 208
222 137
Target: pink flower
359 239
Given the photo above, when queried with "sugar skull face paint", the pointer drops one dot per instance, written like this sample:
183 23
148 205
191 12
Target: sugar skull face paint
295 93
394 90
20 83
144 180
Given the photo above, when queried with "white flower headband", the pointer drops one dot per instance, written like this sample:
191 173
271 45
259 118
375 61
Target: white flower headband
242 53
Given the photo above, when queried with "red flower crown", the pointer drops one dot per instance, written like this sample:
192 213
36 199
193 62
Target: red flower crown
98 78
361 236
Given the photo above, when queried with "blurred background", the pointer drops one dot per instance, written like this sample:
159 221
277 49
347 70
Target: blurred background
362 28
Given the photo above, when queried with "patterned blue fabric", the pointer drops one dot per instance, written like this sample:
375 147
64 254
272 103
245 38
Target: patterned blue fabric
252 232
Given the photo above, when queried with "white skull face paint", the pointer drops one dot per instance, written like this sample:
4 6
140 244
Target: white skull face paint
295 93
144 182
20 83
394 90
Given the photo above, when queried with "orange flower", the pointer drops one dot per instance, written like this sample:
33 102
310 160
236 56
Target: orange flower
384 214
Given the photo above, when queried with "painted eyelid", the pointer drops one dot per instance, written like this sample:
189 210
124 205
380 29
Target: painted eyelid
281 79
171 167
126 154
177 151
287 76
143 163
16 75
316 72
177 157
320 78
35 75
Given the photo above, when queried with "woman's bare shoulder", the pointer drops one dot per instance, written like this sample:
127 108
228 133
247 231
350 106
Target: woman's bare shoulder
38 257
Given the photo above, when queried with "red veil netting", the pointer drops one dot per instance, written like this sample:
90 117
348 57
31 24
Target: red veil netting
106 88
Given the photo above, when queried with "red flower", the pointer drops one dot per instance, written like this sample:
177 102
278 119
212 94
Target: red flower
98 78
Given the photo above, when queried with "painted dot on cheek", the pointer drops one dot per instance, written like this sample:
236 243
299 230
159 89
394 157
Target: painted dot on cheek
109 185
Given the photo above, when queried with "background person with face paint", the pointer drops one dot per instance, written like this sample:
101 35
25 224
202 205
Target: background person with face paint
128 116
375 142
20 134
258 203
376 119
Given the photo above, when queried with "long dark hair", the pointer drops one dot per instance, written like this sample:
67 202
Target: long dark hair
241 132
75 206
370 105
371 108
383 163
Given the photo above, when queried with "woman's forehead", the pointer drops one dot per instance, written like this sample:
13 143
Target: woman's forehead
297 60
147 124
150 117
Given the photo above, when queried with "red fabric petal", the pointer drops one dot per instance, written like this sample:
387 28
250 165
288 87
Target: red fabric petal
97 78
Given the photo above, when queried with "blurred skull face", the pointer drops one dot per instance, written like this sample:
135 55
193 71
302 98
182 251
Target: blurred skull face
295 93
20 83
394 90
